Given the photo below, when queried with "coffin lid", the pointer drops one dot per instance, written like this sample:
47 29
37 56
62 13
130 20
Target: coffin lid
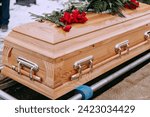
49 33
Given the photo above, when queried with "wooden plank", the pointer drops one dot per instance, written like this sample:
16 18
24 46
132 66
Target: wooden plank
103 51
68 86
39 87
51 34
100 70
64 50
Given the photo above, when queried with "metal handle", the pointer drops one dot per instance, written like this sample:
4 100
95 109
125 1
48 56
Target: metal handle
78 65
147 35
122 46
22 62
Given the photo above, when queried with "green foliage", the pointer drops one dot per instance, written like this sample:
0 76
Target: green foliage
98 6
113 6
145 1
53 17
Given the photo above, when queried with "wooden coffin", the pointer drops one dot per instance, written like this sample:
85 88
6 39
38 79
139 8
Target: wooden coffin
53 62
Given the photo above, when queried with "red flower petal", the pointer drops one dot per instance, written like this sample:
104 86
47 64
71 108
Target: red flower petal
67 28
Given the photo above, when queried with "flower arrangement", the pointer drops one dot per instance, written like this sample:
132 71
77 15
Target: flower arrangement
75 11
64 19
75 16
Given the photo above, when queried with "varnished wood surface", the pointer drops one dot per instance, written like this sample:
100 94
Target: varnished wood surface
51 34
70 85
63 49
56 54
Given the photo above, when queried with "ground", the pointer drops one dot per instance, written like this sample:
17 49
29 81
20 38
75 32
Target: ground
136 86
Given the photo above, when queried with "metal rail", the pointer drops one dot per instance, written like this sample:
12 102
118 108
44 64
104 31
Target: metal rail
113 76
6 96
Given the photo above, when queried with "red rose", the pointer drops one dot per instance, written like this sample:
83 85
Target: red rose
67 28
82 18
66 18
78 17
75 14
133 4
83 14
74 17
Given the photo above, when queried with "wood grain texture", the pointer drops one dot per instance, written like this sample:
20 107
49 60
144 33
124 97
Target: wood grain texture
49 73
63 89
56 51
6 52
64 50
51 34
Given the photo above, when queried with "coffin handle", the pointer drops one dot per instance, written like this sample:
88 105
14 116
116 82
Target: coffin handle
147 35
122 47
78 65
34 77
22 62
